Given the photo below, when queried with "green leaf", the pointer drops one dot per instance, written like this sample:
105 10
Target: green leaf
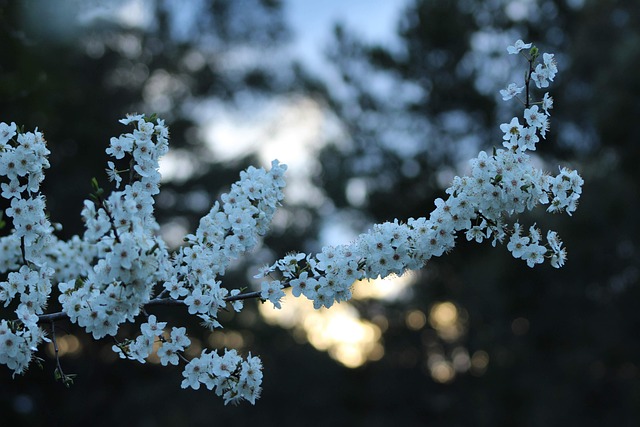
94 184
68 380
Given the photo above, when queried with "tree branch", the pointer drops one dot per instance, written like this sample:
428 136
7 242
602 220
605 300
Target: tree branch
52 317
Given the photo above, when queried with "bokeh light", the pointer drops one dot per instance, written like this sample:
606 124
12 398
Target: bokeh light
387 289
415 320
339 331
447 320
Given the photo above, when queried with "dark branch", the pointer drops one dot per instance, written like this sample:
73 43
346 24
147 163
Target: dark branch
52 317
247 295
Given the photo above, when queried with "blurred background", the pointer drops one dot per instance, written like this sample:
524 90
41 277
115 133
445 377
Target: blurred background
375 106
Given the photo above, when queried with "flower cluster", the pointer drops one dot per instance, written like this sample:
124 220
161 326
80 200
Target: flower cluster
140 348
120 267
127 260
106 276
231 377
223 235
23 158
499 186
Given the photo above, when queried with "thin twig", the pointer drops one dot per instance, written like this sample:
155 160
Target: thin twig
66 379
23 250
527 82
111 219
244 296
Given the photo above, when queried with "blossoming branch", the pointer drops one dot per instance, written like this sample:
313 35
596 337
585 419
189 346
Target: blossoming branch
120 267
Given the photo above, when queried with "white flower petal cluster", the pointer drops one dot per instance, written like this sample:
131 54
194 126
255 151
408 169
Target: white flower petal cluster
152 331
18 344
227 232
511 91
107 276
128 258
228 375
546 71
23 158
120 266
517 47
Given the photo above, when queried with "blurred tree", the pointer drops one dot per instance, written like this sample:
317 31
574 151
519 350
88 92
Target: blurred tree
558 342
72 68
528 347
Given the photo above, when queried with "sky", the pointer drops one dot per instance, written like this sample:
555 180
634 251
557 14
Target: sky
312 23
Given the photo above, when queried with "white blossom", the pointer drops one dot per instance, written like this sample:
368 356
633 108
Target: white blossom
119 266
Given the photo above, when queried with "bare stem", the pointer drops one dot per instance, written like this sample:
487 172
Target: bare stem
23 250
111 219
246 295
67 380
527 82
